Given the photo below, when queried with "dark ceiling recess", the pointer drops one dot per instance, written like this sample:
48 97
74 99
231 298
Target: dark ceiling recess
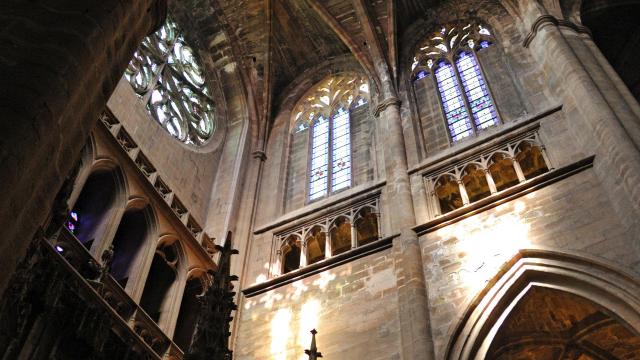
616 31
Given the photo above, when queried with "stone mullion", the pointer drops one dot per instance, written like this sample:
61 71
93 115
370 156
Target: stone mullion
328 249
432 201
463 192
545 156
354 235
518 169
303 253
490 182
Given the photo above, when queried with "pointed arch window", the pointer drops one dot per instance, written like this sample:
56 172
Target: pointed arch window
167 76
450 55
326 111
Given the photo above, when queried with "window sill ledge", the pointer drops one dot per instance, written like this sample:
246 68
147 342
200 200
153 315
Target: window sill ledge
326 264
505 196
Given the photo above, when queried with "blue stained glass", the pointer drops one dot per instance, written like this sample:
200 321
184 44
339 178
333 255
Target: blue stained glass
421 75
72 222
319 159
341 151
452 103
482 109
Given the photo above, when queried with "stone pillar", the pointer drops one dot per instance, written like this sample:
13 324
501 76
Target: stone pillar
606 79
60 62
413 305
593 121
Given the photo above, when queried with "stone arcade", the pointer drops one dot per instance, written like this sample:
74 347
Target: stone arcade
414 179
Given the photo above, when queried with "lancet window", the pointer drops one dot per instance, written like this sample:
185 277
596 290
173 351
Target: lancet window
329 236
325 110
482 176
167 76
448 56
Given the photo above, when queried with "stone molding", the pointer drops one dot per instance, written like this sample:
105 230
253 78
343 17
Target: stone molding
384 104
549 19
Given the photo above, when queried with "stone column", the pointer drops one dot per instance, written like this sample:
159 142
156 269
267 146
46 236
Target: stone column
607 80
60 62
593 121
413 311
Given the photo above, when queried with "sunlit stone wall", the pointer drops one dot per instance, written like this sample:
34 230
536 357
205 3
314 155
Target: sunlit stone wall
353 307
459 260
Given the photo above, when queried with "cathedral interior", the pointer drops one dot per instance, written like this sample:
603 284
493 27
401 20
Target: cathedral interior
304 179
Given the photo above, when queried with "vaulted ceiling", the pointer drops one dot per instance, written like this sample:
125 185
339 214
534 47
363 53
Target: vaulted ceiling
275 41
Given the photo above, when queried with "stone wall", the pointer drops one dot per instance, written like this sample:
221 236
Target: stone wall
79 51
459 260
353 306
187 169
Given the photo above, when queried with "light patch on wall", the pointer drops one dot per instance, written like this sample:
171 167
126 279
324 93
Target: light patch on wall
380 281
324 280
280 334
309 319
299 288
261 278
270 298
487 244
482 244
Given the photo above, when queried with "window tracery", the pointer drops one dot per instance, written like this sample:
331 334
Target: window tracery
449 54
167 76
477 178
325 110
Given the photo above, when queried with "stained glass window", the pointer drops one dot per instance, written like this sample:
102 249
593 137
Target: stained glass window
319 159
165 73
341 151
484 113
452 102
326 110
463 90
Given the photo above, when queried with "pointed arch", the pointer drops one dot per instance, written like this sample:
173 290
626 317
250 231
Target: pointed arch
601 283
97 203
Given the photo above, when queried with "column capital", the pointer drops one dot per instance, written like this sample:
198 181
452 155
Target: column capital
543 20
385 104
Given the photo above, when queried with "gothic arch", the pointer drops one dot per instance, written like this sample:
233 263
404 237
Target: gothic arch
134 244
99 199
169 257
308 79
601 283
